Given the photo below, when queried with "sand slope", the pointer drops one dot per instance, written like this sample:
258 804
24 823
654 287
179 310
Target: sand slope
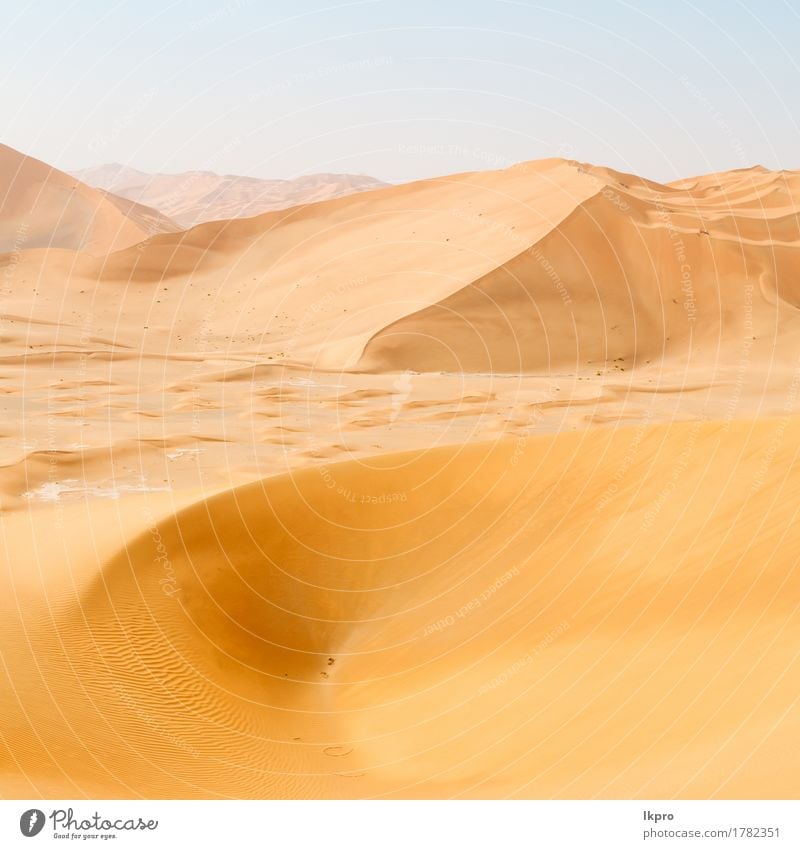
546 267
193 197
46 208
480 621
636 272
315 283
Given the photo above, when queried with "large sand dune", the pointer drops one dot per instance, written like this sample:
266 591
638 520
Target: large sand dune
473 621
545 267
661 269
483 486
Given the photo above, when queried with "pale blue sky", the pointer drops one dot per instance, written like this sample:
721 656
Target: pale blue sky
404 89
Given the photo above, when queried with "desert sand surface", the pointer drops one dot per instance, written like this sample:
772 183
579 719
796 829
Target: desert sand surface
480 486
193 197
43 207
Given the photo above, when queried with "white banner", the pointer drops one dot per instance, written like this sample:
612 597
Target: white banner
403 825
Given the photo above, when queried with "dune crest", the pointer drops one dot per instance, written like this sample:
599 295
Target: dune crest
481 486
46 208
635 273
545 267
194 197
439 623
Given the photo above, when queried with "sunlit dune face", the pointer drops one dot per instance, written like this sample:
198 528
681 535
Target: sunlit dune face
480 621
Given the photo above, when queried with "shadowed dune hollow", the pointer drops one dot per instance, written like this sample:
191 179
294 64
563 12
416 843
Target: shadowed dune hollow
476 621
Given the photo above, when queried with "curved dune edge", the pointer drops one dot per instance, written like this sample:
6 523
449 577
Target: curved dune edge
46 209
636 272
311 284
608 613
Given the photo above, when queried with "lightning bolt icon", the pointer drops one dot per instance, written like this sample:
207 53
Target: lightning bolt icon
33 820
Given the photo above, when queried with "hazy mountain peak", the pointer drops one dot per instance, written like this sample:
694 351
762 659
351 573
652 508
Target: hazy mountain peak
192 197
47 208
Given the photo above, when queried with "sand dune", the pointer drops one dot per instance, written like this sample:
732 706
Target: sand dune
315 283
46 208
482 486
193 197
636 272
484 620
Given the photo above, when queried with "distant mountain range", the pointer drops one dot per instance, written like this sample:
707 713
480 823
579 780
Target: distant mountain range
43 207
196 196
108 208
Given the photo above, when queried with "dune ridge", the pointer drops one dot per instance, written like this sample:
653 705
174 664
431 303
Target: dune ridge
46 208
665 271
541 267
285 639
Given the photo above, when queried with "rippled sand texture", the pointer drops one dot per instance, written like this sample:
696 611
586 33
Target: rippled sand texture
484 486
192 197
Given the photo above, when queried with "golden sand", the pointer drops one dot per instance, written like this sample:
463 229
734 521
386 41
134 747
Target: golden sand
481 486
